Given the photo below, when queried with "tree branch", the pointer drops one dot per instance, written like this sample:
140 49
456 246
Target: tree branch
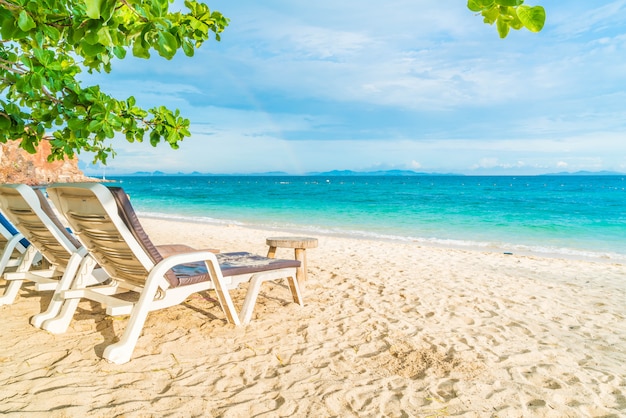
10 5
13 70
49 95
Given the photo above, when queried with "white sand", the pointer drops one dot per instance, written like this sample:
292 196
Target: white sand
388 330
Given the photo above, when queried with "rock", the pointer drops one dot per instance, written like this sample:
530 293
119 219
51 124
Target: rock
18 166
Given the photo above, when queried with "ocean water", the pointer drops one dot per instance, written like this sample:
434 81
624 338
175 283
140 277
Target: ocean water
579 216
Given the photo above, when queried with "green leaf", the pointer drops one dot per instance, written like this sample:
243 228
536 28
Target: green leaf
76 124
29 143
509 2
104 36
159 7
167 44
39 38
473 6
52 32
533 18
93 8
5 122
107 9
139 50
503 28
25 22
515 23
155 138
108 131
94 125
478 5
92 50
491 15
188 48
36 81
8 28
119 51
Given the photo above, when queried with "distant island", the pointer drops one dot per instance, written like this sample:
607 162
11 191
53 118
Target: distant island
333 173
351 173
586 173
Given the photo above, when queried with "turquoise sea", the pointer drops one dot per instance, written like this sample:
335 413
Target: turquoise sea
579 216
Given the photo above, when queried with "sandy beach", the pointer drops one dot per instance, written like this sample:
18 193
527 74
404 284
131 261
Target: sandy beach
388 330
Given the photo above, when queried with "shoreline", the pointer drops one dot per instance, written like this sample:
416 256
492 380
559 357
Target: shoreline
499 248
388 329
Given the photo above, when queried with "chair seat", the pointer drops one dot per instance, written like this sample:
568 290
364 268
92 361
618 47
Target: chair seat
231 264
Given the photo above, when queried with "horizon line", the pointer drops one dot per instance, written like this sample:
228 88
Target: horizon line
351 173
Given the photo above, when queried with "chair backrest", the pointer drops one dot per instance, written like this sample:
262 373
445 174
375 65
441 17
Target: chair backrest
8 231
31 214
105 222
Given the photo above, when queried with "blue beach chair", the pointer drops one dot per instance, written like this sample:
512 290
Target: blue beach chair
15 254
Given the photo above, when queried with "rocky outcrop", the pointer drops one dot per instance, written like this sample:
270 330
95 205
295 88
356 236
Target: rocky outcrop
18 166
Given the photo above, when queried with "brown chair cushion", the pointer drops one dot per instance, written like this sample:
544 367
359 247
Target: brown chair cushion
128 215
231 264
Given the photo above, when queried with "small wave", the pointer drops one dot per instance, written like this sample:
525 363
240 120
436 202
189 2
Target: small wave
551 251
183 218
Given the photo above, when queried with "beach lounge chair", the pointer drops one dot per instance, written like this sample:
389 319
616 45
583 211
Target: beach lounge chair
14 252
106 223
31 214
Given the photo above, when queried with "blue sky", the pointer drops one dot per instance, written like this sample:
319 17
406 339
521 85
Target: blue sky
401 84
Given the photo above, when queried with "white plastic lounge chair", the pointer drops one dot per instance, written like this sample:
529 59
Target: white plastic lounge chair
30 213
14 252
106 223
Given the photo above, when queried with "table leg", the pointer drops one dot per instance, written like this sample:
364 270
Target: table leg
300 254
272 252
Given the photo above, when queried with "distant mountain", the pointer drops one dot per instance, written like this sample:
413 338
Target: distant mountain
152 173
269 173
377 173
197 173
586 173
351 173
333 173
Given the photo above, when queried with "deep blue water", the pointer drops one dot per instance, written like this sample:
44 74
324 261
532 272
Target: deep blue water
570 215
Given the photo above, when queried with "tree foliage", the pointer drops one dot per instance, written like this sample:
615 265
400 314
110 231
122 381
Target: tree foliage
509 14
47 43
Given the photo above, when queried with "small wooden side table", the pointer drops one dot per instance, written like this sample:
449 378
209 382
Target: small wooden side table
299 244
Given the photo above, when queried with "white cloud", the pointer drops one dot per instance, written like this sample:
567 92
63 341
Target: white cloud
415 165
579 18
323 85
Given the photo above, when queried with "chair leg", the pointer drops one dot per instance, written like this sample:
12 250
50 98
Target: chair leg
251 295
121 351
226 302
14 286
7 252
77 267
60 323
294 286
11 292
